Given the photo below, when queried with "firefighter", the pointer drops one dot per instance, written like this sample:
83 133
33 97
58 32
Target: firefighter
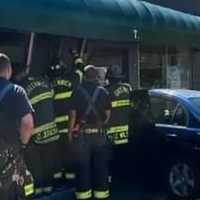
15 130
118 127
64 83
88 138
42 155
79 67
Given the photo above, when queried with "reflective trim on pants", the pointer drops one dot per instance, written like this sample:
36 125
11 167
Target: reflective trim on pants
101 194
28 189
48 189
57 175
84 195
70 176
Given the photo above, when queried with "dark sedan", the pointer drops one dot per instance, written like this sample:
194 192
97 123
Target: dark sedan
166 133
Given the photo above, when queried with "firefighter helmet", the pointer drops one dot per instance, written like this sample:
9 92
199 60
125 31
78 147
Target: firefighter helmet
114 72
56 68
79 63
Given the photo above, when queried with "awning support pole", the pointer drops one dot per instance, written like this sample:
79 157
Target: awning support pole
30 52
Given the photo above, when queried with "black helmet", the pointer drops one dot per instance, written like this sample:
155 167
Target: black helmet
56 68
79 63
114 72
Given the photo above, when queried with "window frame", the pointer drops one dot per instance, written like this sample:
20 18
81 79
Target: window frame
185 112
177 103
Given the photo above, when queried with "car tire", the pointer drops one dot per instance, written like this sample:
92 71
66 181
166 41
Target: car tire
182 178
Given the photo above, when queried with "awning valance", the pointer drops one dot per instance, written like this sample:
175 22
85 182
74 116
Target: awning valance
101 19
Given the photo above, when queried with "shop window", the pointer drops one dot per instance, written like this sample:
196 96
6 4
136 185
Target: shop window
179 69
14 44
151 68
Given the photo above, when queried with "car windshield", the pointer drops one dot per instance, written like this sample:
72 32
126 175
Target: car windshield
196 102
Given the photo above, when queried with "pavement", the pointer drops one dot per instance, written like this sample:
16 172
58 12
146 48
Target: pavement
119 192
122 191
131 192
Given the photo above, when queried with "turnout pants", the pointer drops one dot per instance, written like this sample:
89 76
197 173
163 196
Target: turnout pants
92 152
43 161
120 162
66 159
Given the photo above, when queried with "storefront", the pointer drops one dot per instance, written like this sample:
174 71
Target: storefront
165 67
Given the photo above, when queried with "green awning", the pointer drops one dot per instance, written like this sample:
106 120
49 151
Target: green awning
101 19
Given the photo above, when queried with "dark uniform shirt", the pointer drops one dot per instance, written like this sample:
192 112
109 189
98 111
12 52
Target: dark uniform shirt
41 97
13 107
119 122
63 88
80 103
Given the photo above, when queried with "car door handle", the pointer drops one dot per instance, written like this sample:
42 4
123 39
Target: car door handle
171 135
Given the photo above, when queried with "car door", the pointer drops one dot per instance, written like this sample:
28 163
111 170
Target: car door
169 115
171 119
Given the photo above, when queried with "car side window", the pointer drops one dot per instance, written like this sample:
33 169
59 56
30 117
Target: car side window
180 117
162 109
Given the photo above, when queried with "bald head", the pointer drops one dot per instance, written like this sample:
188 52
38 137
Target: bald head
91 73
5 66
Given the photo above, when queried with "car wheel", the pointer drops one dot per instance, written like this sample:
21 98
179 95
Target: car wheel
182 179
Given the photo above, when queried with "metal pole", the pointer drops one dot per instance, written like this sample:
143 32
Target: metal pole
30 51
138 65
165 70
83 47
137 38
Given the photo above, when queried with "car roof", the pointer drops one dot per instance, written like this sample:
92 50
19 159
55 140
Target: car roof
180 93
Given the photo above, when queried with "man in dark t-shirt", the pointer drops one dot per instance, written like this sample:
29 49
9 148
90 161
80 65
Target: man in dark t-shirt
16 125
15 107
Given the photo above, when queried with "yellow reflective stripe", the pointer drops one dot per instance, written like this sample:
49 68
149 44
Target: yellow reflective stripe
48 140
70 175
123 141
84 195
120 103
29 189
44 127
101 194
63 95
117 129
62 119
41 97
64 131
48 189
